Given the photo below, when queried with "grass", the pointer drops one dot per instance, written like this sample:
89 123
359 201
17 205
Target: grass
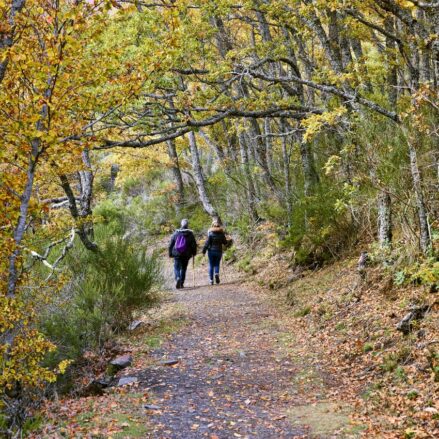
155 338
158 324
303 311
131 428
367 347
308 380
285 339
325 419
153 341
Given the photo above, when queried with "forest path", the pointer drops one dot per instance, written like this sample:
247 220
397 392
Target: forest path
233 378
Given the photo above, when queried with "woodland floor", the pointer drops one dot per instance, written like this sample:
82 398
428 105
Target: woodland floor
235 375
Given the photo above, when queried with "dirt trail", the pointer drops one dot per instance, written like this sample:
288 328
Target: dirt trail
232 379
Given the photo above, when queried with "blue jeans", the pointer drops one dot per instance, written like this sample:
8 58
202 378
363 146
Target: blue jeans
214 262
180 267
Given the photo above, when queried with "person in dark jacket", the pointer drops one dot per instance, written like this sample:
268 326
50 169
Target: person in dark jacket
215 242
182 248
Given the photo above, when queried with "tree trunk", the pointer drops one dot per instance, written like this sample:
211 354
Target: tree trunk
310 176
176 172
86 179
268 144
21 224
392 72
7 39
114 170
425 71
261 155
424 238
199 177
384 219
81 227
214 145
250 187
287 179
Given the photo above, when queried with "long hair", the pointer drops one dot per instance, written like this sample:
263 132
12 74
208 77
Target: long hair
216 223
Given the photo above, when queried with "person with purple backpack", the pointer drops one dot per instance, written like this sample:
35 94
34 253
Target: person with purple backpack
182 248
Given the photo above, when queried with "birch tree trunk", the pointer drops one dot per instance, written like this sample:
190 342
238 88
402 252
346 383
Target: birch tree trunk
199 177
86 179
21 223
424 232
384 219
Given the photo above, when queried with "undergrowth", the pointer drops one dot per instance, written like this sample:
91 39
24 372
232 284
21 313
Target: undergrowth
350 323
102 293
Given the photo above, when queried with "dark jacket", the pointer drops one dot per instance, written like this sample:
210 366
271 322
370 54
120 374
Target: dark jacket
216 239
191 247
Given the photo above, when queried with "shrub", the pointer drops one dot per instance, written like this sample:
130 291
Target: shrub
99 300
245 265
303 312
110 215
320 230
230 254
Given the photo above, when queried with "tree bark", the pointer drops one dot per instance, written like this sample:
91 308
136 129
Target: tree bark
261 155
268 145
7 39
384 219
81 227
425 72
176 172
114 170
86 179
310 176
287 177
214 145
392 73
21 223
424 238
199 177
250 187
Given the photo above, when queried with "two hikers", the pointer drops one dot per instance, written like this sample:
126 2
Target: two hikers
182 248
215 242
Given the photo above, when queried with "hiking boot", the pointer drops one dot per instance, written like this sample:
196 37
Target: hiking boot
217 278
211 282
182 285
178 284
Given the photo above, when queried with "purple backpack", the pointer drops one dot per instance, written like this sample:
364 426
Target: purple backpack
181 245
